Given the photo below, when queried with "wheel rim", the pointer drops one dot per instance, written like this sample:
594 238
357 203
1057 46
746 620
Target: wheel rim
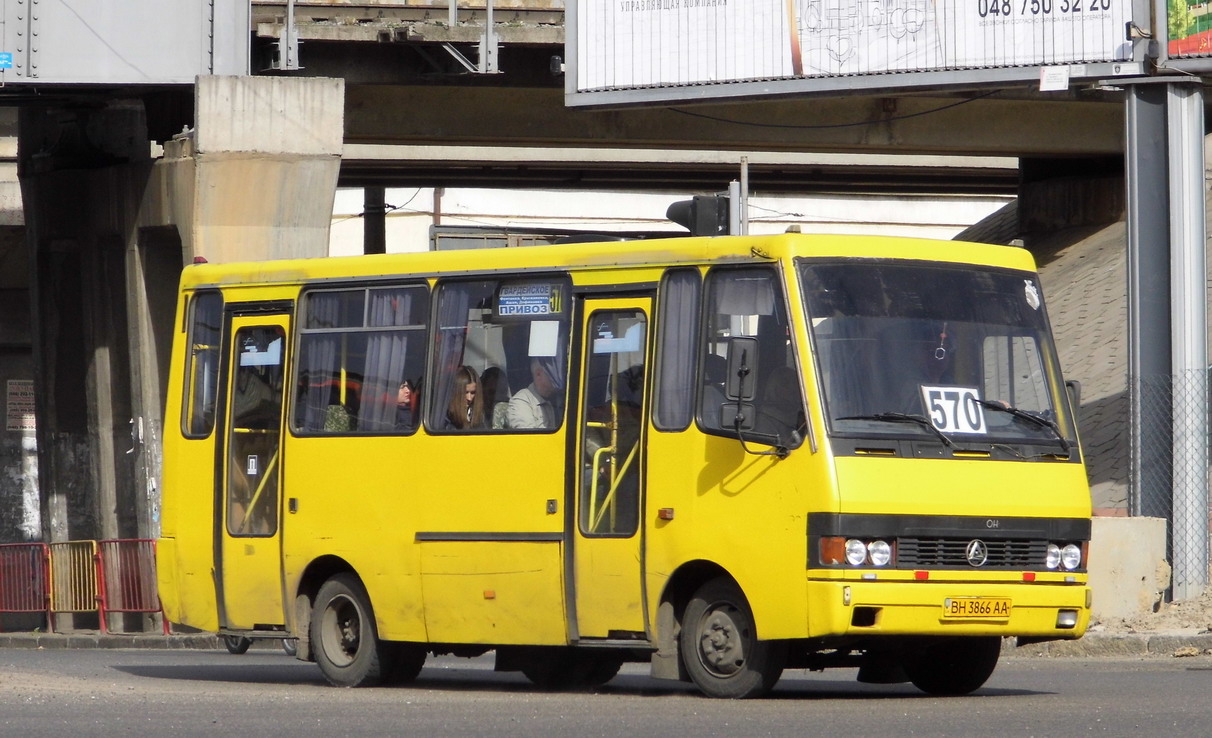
341 631
722 640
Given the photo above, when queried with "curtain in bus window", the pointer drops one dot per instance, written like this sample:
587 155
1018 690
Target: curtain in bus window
319 374
385 355
679 330
453 303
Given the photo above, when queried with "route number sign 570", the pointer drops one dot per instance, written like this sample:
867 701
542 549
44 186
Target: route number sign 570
954 409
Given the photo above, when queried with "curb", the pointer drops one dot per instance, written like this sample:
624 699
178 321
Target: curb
198 641
1116 645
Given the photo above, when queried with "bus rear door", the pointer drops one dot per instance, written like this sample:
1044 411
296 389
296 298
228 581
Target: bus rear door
248 566
607 550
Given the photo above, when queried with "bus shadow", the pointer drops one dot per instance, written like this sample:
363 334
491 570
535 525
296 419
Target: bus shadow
258 669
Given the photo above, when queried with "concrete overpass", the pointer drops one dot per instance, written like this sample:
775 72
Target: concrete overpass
124 182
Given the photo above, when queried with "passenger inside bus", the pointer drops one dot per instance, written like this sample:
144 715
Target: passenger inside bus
466 409
405 405
494 386
534 407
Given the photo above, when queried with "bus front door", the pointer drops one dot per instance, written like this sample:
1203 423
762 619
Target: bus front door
249 558
607 551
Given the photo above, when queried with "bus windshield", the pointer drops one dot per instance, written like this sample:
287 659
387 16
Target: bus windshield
950 353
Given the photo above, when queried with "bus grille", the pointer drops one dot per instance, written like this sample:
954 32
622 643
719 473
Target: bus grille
953 552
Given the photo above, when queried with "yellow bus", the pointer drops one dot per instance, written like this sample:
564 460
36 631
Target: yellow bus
724 457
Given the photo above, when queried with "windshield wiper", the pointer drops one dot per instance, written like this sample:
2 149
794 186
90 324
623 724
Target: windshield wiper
1031 417
905 418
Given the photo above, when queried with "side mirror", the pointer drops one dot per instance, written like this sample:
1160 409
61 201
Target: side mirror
1074 389
742 369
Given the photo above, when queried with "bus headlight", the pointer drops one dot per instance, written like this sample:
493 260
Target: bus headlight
856 552
1053 556
880 551
1071 557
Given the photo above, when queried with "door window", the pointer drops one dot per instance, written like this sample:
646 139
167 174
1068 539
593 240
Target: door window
612 422
256 417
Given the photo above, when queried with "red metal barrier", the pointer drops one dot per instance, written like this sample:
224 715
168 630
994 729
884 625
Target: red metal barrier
24 578
126 572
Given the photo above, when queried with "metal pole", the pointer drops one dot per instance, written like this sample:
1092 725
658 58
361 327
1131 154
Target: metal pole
1148 226
1188 298
374 220
743 201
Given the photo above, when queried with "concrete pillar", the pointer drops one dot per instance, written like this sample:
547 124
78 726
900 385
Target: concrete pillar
109 229
81 171
20 516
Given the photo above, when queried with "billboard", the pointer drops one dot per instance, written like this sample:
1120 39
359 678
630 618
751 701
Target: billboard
654 44
134 42
1189 29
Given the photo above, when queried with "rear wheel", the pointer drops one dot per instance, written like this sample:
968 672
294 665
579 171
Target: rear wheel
343 635
954 666
236 644
407 659
571 669
719 644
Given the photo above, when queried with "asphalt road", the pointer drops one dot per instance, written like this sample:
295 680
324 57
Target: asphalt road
99 692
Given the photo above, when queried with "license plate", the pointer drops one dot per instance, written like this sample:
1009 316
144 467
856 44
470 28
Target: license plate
969 608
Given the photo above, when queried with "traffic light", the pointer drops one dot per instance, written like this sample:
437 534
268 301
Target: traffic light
702 215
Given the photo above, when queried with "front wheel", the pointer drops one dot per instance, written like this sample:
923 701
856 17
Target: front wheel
343 635
954 666
719 644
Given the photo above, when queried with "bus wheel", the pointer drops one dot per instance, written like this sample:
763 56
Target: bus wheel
407 660
236 644
343 635
954 666
719 646
569 669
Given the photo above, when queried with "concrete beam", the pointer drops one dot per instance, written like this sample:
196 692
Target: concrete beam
257 177
988 126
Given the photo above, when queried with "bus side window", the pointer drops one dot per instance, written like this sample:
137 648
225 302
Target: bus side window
749 302
202 380
500 344
678 325
358 348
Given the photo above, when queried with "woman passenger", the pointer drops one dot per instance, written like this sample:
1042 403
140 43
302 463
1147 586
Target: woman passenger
466 409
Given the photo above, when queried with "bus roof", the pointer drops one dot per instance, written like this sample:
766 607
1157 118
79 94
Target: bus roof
608 254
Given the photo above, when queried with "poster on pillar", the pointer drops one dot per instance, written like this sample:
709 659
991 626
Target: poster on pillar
19 405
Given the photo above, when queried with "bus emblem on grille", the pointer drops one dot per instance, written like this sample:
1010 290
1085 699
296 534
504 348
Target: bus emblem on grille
977 552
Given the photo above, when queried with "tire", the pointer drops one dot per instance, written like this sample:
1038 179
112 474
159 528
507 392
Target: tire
407 659
719 646
343 635
236 644
954 666
566 669
290 646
